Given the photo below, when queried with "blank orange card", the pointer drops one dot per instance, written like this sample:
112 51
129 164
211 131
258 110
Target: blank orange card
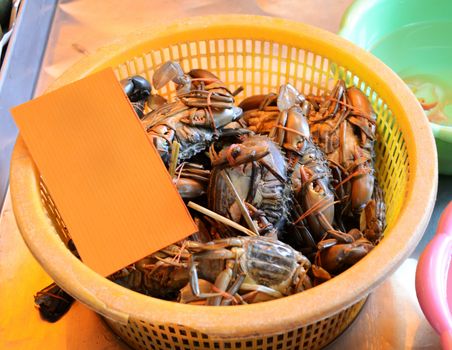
106 178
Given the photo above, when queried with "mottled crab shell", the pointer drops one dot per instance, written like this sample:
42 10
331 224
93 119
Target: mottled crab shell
268 262
254 183
173 122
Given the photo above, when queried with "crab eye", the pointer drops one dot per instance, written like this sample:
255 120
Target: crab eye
235 152
299 145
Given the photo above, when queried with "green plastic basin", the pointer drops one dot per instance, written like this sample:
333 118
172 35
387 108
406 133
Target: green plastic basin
414 38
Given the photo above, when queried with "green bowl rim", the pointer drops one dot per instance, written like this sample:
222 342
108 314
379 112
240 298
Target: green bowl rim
348 20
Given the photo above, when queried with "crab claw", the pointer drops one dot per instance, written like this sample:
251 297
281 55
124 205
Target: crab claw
362 184
203 74
341 256
236 155
293 128
298 130
317 199
168 71
331 104
372 219
288 97
258 101
136 88
360 103
202 117
189 188
362 188
320 274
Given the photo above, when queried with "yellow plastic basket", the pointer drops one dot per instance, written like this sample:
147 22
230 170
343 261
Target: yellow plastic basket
259 53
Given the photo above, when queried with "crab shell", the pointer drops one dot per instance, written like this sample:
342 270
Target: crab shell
254 183
177 122
270 263
264 261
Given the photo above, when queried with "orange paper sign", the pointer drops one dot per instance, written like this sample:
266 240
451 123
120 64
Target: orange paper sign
105 176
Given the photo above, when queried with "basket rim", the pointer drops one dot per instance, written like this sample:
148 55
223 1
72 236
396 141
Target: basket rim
118 303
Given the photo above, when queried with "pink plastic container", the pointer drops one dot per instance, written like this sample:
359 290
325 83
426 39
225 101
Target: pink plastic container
434 279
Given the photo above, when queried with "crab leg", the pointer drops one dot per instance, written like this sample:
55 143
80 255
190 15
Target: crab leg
263 289
194 282
234 288
221 283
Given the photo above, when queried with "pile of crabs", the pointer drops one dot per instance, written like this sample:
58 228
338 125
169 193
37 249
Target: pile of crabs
282 187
